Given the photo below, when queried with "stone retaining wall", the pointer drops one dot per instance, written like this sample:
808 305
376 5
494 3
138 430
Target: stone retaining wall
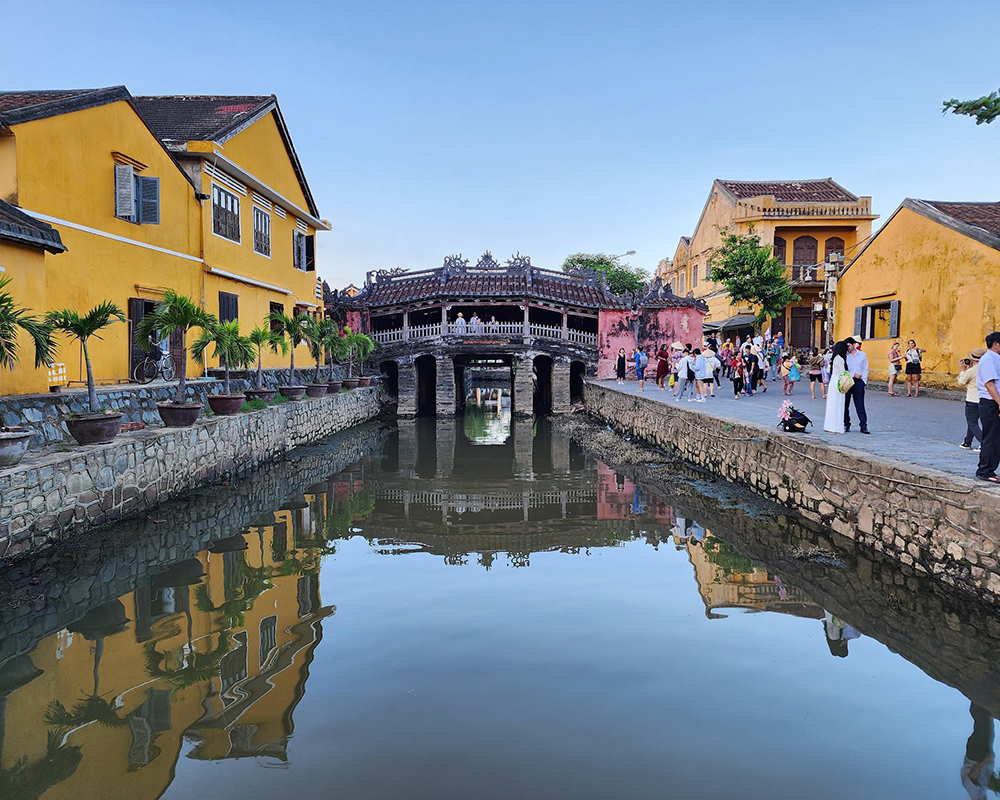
50 495
42 413
939 524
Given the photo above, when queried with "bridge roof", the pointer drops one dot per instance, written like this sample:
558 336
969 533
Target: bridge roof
396 287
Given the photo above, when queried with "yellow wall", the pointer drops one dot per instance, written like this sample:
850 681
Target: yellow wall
25 266
946 283
260 150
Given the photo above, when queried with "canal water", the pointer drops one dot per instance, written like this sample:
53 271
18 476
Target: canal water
482 608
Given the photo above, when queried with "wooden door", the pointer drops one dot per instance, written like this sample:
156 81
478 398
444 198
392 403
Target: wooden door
800 333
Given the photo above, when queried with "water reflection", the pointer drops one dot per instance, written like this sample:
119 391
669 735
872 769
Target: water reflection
205 655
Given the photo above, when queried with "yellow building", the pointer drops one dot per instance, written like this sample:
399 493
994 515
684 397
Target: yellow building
803 221
204 195
932 274
24 243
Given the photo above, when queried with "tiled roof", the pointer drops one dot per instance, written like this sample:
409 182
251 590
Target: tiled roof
176 119
985 216
407 288
824 190
17 107
16 226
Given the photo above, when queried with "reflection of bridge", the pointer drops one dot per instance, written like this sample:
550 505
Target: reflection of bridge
491 501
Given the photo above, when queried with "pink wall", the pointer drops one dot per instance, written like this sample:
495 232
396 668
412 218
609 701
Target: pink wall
616 328
357 320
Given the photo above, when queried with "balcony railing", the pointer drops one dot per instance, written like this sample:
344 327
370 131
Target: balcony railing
768 208
486 330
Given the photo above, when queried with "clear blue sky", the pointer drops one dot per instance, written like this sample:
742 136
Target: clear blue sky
431 128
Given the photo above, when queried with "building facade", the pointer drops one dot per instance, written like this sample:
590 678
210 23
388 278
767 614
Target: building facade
932 274
804 222
203 195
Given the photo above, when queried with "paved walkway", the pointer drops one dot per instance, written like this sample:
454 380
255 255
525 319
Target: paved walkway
921 430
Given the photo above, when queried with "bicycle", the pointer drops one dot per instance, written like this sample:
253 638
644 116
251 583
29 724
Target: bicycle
147 369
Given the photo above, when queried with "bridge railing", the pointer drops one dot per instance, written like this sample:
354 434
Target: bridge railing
486 330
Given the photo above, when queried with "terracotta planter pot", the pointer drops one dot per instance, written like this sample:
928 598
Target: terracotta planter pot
94 428
350 383
225 404
13 446
179 415
316 389
332 387
293 392
364 383
267 395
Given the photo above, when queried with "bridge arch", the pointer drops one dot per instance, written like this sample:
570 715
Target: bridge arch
542 367
577 372
391 371
425 369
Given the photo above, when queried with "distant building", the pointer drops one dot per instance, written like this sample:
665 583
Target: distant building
931 273
803 221
351 290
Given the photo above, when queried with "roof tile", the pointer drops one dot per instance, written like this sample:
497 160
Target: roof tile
982 215
17 226
825 190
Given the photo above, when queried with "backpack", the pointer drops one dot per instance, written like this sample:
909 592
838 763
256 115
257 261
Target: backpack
796 422
690 370
643 361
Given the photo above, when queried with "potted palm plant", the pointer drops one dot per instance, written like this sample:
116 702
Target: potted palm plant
290 328
174 312
263 337
95 427
233 350
13 320
357 347
318 334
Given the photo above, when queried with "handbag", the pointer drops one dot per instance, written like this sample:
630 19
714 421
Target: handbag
845 382
673 380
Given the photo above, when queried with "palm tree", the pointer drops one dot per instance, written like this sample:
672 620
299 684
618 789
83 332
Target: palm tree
318 334
357 346
260 337
231 349
290 328
14 319
69 320
174 312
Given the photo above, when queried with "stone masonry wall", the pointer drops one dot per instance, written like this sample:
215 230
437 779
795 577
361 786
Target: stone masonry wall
938 524
42 413
48 496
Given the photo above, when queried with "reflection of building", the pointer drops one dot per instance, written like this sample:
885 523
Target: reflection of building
215 649
728 579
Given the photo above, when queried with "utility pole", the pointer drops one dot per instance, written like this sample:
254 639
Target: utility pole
830 291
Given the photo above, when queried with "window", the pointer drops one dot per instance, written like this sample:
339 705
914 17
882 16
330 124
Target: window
225 214
680 284
229 306
804 250
779 249
833 245
137 198
276 308
877 320
268 637
261 231
303 251
708 269
694 275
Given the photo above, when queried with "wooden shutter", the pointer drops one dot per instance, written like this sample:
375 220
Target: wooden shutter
833 245
310 260
229 308
779 249
893 319
149 201
859 312
124 191
804 251
296 253
136 306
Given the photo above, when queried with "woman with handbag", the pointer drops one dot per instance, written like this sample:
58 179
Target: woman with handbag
914 355
895 367
833 421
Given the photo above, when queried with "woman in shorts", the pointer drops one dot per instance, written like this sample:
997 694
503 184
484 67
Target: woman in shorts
914 355
815 367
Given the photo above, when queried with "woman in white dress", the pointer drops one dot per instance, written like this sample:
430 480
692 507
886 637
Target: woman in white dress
833 422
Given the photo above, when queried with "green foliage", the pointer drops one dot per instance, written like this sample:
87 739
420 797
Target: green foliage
91 708
621 276
356 347
263 337
984 109
174 312
197 667
279 400
728 558
14 319
254 405
84 327
290 328
320 335
231 348
751 274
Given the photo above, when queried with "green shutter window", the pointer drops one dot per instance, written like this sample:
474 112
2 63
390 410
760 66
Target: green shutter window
893 319
148 201
310 243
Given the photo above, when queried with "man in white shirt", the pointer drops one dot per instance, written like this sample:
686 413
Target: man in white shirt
987 377
857 365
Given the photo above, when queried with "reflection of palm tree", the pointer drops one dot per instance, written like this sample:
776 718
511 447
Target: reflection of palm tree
29 780
243 587
198 667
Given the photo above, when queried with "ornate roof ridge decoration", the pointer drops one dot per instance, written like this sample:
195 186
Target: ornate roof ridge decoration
486 261
658 294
